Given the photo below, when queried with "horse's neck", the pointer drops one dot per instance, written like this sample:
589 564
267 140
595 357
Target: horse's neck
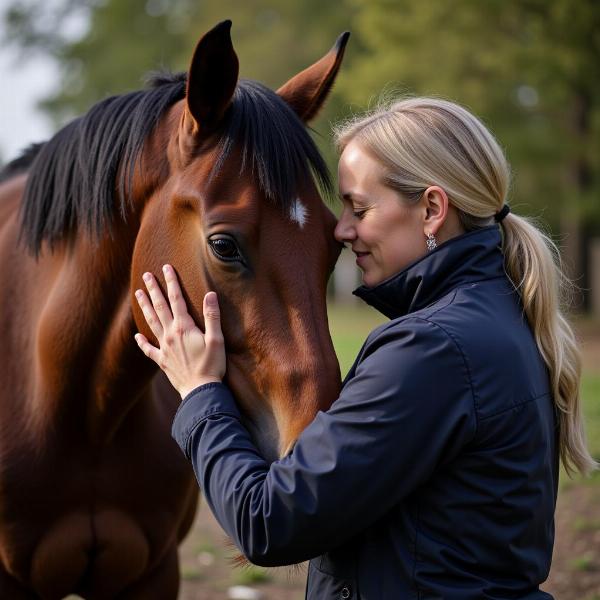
91 366
121 371
95 370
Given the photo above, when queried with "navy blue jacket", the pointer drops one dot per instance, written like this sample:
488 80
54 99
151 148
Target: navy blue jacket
433 475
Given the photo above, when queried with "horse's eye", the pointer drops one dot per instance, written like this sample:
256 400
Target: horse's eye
225 249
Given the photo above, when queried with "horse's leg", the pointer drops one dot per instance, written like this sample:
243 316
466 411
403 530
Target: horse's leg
160 584
11 588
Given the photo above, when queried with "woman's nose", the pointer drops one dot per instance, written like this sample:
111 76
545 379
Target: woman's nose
344 230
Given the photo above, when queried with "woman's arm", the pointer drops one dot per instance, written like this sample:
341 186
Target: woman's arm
395 421
393 424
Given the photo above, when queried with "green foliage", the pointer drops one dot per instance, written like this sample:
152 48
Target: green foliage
529 68
273 38
124 42
36 25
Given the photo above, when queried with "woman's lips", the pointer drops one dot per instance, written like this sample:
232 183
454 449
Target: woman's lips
360 257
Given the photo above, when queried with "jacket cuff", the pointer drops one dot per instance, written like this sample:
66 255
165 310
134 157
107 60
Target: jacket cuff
202 402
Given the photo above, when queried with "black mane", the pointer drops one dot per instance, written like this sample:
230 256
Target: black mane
84 173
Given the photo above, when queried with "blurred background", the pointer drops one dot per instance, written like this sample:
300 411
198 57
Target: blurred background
529 68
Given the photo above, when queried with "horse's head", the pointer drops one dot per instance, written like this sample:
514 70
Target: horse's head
238 212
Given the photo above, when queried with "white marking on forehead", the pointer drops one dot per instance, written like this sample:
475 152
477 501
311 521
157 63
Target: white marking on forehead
299 213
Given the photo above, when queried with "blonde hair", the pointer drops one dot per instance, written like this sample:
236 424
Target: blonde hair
428 141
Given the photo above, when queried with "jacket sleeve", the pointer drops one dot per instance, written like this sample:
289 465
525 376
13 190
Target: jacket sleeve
407 409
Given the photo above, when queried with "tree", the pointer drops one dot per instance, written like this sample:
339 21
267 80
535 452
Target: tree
530 68
124 40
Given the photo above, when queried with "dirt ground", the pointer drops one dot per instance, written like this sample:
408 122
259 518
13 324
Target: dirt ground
208 573
575 572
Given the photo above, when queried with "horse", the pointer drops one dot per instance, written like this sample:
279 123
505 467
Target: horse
219 177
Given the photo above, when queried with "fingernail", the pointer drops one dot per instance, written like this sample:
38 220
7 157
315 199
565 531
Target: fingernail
147 277
138 293
211 299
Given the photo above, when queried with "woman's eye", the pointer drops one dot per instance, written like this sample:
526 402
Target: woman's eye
358 213
225 249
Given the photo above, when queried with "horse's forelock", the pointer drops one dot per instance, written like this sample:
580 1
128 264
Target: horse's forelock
275 144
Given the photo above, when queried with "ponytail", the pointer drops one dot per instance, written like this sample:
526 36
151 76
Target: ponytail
532 262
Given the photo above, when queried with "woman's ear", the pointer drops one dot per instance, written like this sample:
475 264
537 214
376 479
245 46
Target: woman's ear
436 209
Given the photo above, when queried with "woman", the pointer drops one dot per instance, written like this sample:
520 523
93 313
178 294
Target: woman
434 474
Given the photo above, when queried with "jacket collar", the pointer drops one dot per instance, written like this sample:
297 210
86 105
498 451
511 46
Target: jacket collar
461 260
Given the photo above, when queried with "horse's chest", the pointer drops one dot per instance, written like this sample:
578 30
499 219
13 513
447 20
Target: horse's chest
66 515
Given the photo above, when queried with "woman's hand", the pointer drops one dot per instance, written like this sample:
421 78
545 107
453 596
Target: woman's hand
188 357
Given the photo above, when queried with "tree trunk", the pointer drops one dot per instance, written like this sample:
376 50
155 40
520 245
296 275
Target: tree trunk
580 182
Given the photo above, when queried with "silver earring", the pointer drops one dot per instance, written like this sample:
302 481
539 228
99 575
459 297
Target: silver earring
431 243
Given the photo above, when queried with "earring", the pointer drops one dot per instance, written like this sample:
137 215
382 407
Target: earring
431 243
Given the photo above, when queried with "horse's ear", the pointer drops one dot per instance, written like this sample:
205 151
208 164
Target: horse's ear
306 92
211 79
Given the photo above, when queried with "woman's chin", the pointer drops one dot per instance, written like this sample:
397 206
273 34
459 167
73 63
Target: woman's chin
368 280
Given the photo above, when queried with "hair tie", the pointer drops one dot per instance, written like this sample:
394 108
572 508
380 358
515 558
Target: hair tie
502 213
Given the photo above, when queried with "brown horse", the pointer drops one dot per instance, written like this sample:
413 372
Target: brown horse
214 176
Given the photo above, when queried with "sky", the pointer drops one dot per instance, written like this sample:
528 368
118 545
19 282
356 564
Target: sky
22 85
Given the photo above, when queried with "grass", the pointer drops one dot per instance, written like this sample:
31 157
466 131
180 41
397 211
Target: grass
582 563
583 524
205 546
350 325
590 393
252 575
191 573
